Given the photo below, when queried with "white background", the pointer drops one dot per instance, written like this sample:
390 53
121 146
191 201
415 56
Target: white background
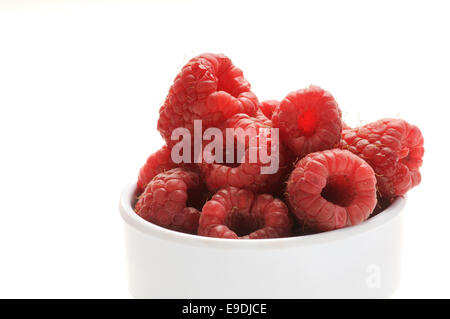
80 88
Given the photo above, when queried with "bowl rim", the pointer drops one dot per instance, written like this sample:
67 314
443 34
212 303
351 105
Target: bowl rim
128 196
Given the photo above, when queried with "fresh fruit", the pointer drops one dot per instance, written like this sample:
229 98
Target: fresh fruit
238 213
247 173
172 200
331 189
157 162
208 88
258 157
394 149
309 120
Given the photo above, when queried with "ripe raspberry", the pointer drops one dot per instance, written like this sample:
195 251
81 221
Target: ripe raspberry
309 121
268 107
237 213
208 88
158 162
331 189
247 174
172 199
394 149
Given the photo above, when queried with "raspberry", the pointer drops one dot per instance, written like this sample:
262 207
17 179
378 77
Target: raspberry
268 107
208 88
394 149
331 189
247 174
156 163
172 199
309 121
238 213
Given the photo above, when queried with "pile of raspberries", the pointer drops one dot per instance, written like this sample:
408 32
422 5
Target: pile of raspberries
330 175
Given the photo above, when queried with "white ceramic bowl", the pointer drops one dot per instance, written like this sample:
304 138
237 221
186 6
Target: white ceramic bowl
356 262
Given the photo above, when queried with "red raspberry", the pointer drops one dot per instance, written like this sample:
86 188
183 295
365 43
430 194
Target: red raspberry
268 107
208 88
309 121
331 189
394 149
247 174
238 213
158 162
172 199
